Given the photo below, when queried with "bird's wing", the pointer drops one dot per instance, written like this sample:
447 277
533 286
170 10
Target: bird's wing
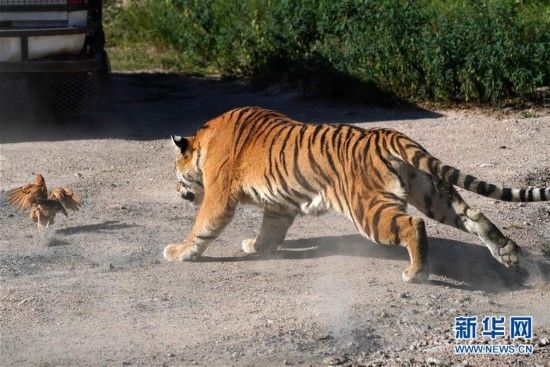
23 197
67 197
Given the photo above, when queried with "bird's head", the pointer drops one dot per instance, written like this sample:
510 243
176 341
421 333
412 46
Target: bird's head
189 168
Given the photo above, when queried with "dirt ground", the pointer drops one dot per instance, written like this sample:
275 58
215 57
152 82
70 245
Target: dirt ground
94 289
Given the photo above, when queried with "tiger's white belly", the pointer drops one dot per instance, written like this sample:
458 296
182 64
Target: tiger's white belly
316 206
262 197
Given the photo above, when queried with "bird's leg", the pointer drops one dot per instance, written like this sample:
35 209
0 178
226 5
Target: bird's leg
38 221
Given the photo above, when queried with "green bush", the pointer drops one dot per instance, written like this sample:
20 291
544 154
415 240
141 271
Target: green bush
456 50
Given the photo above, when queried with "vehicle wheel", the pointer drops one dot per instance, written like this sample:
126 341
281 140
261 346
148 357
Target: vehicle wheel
104 77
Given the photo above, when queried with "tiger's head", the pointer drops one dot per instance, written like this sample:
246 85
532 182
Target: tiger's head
189 165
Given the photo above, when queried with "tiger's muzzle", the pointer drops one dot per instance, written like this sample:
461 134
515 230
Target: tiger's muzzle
189 196
186 192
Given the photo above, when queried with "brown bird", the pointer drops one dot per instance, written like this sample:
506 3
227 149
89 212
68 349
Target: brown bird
43 212
43 208
67 197
23 197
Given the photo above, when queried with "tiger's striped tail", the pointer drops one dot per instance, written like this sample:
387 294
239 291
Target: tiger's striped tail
406 149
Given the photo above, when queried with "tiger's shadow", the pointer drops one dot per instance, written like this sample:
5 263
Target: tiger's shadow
466 265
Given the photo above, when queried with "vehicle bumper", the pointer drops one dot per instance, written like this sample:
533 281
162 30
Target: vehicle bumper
35 50
51 66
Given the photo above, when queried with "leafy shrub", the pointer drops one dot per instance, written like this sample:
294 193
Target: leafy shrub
455 50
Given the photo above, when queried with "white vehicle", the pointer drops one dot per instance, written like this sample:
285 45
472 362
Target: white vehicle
58 45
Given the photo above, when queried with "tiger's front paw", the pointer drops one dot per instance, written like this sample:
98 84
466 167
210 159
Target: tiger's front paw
255 246
411 275
249 246
180 252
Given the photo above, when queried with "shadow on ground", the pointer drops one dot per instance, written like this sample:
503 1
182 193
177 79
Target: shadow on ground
54 242
107 226
466 265
155 105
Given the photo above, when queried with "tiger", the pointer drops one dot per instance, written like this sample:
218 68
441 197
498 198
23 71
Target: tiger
257 156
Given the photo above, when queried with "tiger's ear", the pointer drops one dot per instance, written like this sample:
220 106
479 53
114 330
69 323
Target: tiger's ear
180 143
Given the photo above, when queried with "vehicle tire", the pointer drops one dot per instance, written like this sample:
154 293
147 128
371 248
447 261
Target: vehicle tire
104 77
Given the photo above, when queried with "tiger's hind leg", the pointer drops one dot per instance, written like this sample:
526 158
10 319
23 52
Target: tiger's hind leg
274 227
441 201
385 222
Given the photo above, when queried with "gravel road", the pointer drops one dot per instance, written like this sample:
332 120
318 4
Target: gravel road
93 289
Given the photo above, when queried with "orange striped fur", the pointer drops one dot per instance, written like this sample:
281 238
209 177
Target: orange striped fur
257 156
